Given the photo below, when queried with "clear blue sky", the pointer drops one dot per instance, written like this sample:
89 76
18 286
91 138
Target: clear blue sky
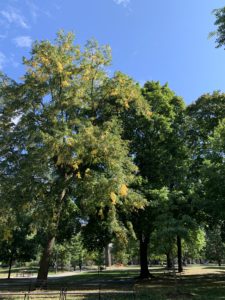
165 40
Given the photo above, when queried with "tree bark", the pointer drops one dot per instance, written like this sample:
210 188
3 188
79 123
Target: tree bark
108 257
10 266
179 254
44 262
144 258
169 262
47 252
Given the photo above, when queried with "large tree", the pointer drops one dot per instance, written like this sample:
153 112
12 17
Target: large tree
160 154
64 137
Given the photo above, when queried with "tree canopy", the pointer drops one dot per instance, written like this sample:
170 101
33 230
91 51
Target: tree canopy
88 158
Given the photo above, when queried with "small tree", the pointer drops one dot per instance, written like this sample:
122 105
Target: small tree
19 245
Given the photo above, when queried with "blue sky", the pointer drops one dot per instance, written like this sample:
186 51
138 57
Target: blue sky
165 40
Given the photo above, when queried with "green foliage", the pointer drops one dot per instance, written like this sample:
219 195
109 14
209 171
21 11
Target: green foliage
203 117
81 151
220 24
70 253
18 243
64 154
215 247
159 151
96 234
194 245
214 174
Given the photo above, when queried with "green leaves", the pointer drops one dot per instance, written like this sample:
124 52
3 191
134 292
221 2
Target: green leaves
220 23
68 142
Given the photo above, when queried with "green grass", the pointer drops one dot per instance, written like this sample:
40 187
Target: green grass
197 286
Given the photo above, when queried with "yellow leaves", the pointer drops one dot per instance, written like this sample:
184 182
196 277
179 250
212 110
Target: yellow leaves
114 93
88 73
44 60
59 66
33 74
87 172
67 46
103 136
68 73
105 150
94 152
113 198
75 166
149 113
100 213
60 160
138 205
7 234
34 64
65 83
70 142
43 77
89 131
78 175
126 104
122 79
123 190
80 92
134 93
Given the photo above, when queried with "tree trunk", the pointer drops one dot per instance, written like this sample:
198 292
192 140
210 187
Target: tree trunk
47 252
169 262
144 258
179 254
219 262
10 266
108 257
44 262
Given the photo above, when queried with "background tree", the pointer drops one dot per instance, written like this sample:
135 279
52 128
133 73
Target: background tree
213 174
18 244
194 245
204 117
160 154
215 247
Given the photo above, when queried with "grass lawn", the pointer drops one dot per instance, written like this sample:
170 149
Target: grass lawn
197 282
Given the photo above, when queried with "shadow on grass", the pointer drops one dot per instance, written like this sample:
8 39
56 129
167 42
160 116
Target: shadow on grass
18 270
114 284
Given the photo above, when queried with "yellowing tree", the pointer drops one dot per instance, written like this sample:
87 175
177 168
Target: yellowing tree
68 145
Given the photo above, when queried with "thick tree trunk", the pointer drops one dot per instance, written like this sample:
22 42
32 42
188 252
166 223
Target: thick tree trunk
169 262
144 258
44 262
47 252
219 262
179 254
10 266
